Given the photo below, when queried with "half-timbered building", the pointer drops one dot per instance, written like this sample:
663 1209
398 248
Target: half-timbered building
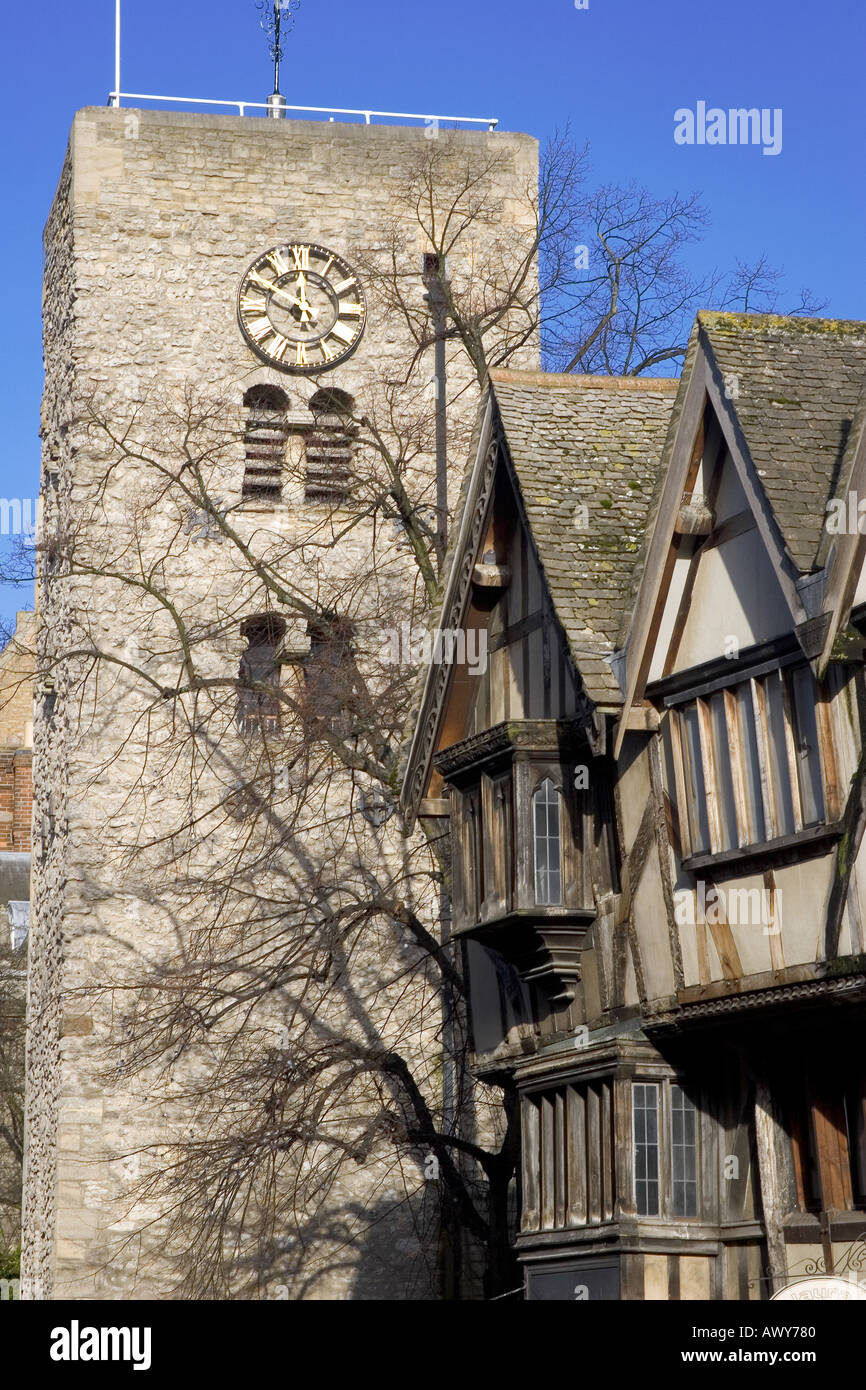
655 790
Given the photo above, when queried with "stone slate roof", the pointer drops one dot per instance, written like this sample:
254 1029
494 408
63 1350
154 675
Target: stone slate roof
800 400
596 442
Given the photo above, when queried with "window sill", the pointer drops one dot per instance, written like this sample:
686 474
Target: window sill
668 1219
815 838
802 1228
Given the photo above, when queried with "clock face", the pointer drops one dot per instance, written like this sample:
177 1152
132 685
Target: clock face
301 308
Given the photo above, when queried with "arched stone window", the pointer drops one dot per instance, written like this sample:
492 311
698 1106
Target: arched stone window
546 821
259 674
330 446
329 669
266 430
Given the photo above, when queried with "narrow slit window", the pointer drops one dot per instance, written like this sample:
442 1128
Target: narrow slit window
684 1153
548 877
645 1117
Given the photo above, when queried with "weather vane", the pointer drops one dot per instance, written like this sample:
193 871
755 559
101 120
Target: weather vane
278 21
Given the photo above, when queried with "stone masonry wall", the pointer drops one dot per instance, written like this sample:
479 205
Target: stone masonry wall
157 217
50 780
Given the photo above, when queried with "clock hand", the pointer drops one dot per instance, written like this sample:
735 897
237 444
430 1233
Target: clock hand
294 303
301 297
281 294
308 313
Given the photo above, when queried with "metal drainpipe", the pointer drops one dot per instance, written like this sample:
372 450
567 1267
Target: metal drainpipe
435 277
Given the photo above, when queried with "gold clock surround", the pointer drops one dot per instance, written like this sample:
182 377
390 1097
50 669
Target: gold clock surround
301 308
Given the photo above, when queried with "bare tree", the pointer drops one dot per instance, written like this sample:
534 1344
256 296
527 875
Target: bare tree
629 308
11 1092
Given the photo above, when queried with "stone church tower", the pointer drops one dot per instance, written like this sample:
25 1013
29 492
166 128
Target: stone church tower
186 256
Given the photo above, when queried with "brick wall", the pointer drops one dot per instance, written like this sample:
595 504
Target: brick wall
16 798
16 735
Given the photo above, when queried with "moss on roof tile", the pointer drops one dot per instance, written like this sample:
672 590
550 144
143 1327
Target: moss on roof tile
595 443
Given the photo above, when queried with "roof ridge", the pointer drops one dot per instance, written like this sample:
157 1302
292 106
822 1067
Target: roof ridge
512 376
720 318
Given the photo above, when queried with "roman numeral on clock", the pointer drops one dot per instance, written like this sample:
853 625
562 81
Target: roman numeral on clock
343 332
260 327
301 359
279 262
301 256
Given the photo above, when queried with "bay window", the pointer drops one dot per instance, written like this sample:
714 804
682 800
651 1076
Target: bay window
665 1150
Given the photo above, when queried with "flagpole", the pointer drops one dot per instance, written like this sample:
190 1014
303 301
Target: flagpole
116 53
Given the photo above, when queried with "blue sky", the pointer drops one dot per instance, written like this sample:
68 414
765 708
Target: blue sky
615 71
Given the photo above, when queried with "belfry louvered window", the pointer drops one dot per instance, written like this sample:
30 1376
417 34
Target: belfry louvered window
259 675
329 447
744 760
265 433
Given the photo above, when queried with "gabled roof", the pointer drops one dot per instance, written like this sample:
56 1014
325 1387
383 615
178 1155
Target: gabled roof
789 396
798 384
570 441
594 442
